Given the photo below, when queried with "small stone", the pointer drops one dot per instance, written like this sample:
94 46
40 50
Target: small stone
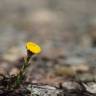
14 71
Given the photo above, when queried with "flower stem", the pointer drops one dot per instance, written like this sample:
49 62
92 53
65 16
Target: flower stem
20 76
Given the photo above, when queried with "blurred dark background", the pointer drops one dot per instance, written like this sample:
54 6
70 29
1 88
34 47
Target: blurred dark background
61 27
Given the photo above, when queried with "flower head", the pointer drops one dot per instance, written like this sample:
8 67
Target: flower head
33 48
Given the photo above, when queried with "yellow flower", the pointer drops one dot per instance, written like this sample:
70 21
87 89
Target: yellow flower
33 48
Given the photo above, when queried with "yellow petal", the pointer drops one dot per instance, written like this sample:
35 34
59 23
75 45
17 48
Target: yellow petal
33 47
